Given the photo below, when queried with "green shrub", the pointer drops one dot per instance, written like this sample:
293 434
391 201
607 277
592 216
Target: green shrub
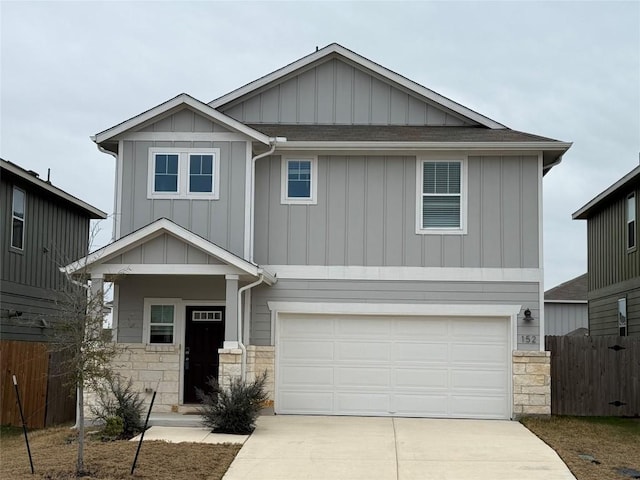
113 429
117 398
233 410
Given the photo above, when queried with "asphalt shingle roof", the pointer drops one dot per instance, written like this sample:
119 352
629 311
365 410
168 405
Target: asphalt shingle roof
574 289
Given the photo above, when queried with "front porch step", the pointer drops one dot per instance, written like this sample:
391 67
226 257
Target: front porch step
175 420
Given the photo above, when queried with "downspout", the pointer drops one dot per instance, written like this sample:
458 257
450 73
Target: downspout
243 371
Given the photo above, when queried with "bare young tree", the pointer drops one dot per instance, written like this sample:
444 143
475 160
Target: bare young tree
77 332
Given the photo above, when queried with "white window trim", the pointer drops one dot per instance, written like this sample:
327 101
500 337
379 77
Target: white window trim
631 248
462 230
23 219
284 198
178 321
183 173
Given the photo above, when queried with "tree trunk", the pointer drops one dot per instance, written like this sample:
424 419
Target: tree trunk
80 462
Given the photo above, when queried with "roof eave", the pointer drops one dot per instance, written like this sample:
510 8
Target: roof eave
182 99
94 213
559 147
584 212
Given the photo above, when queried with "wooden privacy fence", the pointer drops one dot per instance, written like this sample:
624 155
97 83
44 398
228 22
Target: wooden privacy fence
45 395
595 376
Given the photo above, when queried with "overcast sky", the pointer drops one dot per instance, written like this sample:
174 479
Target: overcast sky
565 70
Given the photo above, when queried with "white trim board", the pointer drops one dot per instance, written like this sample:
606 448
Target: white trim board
451 310
165 269
184 137
339 272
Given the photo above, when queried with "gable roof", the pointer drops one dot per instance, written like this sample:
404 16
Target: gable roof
153 230
630 179
574 290
33 178
176 103
334 50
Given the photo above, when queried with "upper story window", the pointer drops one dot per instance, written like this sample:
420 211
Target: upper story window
184 173
631 221
441 207
18 218
299 180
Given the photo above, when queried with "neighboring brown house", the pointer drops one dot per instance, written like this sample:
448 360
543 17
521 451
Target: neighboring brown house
565 308
614 258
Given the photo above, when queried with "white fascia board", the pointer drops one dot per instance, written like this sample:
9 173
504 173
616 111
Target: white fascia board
455 310
582 213
25 175
425 274
422 146
379 70
155 229
182 99
165 269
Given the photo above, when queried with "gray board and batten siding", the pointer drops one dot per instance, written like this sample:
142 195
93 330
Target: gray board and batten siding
336 92
614 271
55 234
401 292
563 318
366 215
220 221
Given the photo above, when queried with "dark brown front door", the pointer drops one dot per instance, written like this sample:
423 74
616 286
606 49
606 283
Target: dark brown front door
204 335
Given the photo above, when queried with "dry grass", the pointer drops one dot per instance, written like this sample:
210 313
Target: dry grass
613 442
54 455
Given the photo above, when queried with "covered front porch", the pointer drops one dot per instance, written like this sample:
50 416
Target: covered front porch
181 310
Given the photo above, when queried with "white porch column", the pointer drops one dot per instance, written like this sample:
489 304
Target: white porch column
231 312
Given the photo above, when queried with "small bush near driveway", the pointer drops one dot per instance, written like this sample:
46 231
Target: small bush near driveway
612 442
54 456
233 410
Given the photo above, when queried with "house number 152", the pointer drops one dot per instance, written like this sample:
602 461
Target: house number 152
528 339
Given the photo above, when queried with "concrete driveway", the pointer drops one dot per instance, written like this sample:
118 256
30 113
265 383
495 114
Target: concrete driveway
298 447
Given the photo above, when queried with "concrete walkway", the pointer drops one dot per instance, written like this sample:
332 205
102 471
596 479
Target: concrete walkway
352 448
189 434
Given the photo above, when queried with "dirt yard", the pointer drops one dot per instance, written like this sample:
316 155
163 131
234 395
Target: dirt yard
54 455
606 444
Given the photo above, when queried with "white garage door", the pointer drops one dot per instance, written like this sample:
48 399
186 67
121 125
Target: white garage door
399 366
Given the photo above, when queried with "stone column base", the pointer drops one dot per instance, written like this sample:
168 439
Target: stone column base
531 383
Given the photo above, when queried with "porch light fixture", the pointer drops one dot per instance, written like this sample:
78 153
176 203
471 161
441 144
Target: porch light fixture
527 315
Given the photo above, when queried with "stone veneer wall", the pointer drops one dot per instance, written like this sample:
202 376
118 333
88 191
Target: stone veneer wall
259 359
149 367
531 383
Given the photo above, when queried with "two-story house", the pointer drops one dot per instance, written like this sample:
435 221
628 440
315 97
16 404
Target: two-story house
43 227
613 257
375 246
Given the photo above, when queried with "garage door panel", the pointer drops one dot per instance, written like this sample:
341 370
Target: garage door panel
305 350
475 406
306 375
474 354
479 380
484 328
363 351
425 352
306 402
307 325
433 378
355 403
363 327
362 377
422 405
412 327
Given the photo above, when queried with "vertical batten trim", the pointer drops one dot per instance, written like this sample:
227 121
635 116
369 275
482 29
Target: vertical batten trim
540 253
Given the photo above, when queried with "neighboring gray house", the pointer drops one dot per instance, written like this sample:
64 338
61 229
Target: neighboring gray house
375 246
565 308
614 257
43 228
